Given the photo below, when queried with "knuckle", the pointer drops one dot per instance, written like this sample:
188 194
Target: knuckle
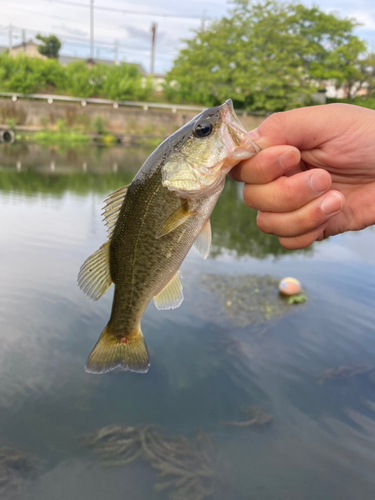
287 192
277 121
258 169
247 195
296 243
250 196
262 223
288 243
317 215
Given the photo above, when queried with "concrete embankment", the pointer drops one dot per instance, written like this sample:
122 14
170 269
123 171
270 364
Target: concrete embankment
123 120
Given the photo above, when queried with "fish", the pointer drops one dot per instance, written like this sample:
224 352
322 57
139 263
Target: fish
152 223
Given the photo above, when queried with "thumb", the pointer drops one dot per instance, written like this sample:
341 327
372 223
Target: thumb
303 128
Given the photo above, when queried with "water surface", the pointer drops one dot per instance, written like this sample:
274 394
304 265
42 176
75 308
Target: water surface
205 366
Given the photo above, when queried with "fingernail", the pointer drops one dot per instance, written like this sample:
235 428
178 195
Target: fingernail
254 134
289 159
319 182
331 204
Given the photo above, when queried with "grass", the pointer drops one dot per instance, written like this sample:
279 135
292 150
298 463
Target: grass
60 137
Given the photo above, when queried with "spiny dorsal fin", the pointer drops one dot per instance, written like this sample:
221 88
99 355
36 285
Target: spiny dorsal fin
171 296
203 242
111 210
94 277
175 220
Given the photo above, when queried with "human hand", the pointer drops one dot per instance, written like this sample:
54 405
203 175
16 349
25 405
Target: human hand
315 175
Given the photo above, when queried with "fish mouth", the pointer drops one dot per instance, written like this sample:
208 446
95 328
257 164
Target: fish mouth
234 135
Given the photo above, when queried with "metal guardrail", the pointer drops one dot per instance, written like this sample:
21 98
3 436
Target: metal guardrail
50 98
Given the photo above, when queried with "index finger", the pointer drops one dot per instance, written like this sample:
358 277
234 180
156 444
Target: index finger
267 165
308 128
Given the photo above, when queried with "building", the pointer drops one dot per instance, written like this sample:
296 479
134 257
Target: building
29 48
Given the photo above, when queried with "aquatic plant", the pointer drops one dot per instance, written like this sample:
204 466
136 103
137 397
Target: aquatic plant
185 467
246 299
343 372
256 416
15 468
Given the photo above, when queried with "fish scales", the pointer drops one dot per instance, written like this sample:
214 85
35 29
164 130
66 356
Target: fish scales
152 224
154 261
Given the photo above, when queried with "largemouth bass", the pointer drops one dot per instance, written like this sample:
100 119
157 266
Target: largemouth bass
152 224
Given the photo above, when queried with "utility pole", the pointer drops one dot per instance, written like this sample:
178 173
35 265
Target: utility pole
91 29
10 39
24 40
116 52
153 35
203 21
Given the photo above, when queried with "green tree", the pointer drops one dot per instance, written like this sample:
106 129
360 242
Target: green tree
365 78
368 70
51 46
266 56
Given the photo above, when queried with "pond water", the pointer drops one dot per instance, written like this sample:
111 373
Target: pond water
233 344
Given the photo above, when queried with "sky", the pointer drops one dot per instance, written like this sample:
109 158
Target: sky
70 21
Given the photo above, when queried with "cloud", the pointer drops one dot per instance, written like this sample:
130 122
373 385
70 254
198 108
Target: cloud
69 30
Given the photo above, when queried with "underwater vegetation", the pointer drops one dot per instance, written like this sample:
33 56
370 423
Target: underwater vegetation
369 404
247 299
256 415
15 469
343 372
186 468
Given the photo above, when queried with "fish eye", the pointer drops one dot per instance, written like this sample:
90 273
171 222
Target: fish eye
203 129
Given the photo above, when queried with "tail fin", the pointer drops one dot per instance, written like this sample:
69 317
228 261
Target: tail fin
126 353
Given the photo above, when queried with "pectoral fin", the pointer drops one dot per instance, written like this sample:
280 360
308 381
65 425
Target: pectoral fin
203 242
178 217
171 296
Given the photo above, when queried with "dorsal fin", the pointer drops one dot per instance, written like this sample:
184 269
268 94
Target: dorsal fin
171 296
203 242
112 207
94 277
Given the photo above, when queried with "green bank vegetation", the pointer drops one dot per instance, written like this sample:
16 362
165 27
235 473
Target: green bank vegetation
28 75
271 56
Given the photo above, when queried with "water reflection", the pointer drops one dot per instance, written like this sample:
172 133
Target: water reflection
234 228
205 371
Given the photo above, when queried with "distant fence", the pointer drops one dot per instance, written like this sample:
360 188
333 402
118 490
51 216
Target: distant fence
116 104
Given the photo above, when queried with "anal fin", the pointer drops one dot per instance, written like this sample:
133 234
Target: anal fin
171 296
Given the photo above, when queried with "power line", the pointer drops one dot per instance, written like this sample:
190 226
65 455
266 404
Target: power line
123 11
86 41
